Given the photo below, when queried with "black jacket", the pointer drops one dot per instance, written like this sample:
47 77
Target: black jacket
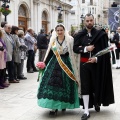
116 40
1 48
104 85
42 41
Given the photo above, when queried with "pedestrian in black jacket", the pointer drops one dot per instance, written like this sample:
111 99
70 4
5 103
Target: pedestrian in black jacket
42 44
116 40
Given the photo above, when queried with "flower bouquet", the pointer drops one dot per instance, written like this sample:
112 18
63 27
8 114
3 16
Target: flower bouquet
41 67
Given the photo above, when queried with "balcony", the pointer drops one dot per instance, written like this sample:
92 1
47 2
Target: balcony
90 4
72 12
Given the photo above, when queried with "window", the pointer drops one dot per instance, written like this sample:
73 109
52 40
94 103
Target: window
22 11
92 10
83 1
114 4
91 2
44 16
73 12
83 10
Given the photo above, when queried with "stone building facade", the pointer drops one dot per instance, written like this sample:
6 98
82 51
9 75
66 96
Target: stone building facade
37 14
99 8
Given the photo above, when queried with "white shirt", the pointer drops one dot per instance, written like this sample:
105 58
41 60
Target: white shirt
62 49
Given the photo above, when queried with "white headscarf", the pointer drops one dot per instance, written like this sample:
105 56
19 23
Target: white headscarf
54 36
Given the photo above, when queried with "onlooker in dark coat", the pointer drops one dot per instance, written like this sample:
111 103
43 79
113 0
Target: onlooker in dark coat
116 40
17 45
42 44
9 52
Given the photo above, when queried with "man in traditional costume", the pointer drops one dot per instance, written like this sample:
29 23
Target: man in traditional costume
95 72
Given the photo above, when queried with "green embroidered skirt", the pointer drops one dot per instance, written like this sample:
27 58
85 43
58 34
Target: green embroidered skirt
56 90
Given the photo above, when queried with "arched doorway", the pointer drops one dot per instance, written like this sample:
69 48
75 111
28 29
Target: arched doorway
22 19
45 21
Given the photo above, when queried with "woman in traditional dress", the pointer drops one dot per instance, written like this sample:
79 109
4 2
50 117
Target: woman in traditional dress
58 89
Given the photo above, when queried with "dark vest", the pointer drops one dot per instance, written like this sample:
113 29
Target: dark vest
86 41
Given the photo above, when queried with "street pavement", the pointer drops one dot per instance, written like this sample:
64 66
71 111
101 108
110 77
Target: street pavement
19 102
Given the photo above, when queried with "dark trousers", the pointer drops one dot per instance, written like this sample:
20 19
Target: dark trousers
20 69
33 62
113 57
2 76
117 53
30 60
16 65
87 76
10 68
42 53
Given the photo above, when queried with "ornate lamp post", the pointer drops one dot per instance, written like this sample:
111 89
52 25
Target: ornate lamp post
5 8
82 18
95 24
101 26
60 20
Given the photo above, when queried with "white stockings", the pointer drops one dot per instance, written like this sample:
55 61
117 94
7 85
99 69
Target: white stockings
86 103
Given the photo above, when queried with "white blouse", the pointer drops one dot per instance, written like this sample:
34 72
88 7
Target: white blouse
62 48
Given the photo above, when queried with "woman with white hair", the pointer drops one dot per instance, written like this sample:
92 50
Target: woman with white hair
23 49
58 89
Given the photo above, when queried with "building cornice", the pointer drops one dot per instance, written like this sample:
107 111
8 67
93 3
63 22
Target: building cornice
63 3
36 1
55 1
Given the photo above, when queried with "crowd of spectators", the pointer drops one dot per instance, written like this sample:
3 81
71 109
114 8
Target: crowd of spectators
15 47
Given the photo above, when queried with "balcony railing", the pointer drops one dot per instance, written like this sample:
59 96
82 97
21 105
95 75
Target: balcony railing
90 4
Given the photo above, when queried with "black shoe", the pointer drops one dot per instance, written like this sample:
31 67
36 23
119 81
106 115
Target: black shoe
13 81
22 78
63 110
1 87
35 70
117 67
85 117
4 85
30 71
53 112
17 79
97 108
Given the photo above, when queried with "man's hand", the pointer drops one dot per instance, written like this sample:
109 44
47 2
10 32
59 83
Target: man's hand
92 60
90 48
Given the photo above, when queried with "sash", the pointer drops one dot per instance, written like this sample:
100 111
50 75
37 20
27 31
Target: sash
62 64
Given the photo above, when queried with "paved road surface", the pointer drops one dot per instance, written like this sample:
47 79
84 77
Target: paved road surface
18 102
